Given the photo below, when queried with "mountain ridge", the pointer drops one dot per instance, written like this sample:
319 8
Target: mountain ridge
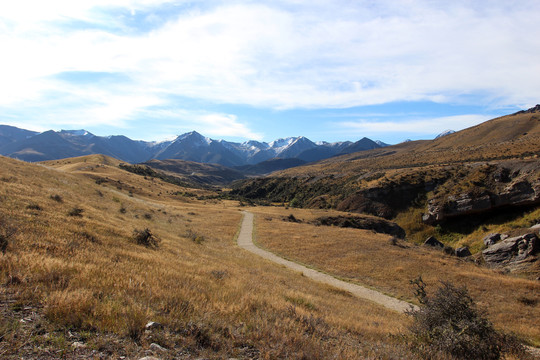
53 145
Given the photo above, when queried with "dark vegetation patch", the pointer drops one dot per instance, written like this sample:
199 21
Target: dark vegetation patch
146 238
151 173
76 211
448 324
57 198
365 223
34 206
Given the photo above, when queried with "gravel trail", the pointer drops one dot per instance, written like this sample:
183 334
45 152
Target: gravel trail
245 241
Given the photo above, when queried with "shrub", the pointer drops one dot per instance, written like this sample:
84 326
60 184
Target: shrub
34 206
76 211
6 232
146 238
449 324
57 198
194 236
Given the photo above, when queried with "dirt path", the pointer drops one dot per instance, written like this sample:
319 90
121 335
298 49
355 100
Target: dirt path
245 241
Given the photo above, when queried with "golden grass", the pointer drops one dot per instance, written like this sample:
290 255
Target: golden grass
88 275
370 259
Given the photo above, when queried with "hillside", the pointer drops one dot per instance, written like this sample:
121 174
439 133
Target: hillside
507 137
209 174
76 284
79 281
484 172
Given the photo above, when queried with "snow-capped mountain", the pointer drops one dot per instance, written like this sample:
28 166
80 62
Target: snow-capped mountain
444 133
192 146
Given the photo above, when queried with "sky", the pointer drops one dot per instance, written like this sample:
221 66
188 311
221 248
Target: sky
330 70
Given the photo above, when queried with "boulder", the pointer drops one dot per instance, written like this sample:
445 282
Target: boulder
535 227
431 241
463 252
157 348
491 239
151 325
511 250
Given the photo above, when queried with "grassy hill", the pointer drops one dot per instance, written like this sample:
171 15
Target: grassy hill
91 253
438 179
73 272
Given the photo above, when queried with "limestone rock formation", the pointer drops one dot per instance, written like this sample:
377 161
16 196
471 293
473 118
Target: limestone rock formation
512 250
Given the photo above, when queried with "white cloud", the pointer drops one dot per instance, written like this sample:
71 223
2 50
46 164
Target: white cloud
208 123
429 126
276 54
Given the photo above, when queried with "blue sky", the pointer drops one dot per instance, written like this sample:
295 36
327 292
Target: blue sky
239 69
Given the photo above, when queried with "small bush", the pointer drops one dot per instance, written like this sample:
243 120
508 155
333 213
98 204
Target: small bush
195 237
146 238
57 198
34 206
6 232
76 211
449 324
135 321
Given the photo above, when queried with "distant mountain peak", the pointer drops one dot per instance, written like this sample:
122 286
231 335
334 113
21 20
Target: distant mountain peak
444 133
195 137
191 146
80 132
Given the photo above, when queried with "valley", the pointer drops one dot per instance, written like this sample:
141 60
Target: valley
106 259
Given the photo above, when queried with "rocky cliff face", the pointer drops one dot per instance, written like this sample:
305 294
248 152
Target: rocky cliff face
487 187
512 253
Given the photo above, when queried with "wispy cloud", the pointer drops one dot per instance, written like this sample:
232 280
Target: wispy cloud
271 54
429 126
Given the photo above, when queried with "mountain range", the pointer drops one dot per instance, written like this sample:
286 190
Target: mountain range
51 145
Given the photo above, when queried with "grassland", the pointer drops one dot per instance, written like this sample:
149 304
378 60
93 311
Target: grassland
361 256
76 284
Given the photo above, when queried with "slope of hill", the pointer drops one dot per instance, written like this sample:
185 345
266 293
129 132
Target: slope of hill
76 282
11 134
493 166
269 166
93 253
209 174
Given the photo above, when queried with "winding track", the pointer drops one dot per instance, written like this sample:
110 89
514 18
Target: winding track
245 241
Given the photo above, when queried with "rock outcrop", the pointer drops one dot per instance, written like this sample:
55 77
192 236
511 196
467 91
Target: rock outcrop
511 251
491 239
508 184
431 241
463 252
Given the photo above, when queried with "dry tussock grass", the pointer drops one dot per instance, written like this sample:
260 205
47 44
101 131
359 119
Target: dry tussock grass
371 259
89 276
